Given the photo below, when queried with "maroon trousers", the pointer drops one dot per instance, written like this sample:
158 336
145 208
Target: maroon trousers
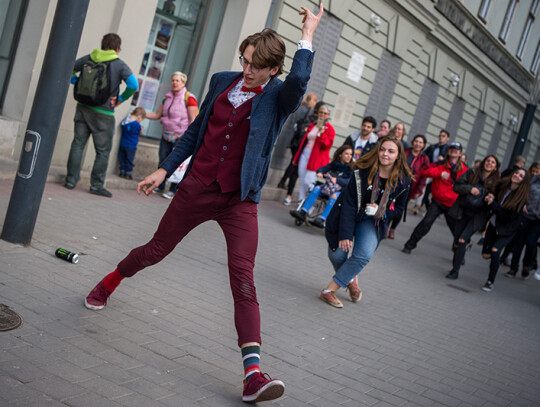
193 204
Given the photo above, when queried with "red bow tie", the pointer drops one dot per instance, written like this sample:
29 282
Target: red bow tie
256 90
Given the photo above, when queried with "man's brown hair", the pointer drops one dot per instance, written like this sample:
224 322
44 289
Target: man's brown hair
111 41
269 50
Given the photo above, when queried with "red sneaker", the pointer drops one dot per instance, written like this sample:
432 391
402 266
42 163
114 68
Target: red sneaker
97 299
330 298
354 291
262 387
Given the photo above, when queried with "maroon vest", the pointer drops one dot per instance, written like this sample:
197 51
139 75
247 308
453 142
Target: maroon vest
221 154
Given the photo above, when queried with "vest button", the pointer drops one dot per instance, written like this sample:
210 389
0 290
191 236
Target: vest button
222 159
227 137
224 147
230 124
234 112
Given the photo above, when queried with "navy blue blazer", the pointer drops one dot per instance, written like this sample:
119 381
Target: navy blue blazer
269 111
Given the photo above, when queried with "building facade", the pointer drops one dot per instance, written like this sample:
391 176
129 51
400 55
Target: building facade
468 66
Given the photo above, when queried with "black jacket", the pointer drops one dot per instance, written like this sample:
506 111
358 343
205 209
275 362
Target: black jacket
342 172
341 222
506 221
463 188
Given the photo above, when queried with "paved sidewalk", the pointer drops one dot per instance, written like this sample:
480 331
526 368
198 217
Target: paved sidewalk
167 336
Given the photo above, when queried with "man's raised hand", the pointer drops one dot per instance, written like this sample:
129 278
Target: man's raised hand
310 22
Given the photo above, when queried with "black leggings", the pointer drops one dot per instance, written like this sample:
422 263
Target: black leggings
493 245
422 229
463 229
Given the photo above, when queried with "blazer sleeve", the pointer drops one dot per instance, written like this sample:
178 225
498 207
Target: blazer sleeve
295 84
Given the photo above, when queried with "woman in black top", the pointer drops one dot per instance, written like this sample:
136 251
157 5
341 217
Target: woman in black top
506 205
470 210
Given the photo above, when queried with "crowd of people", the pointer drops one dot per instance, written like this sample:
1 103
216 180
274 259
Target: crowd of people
503 207
368 183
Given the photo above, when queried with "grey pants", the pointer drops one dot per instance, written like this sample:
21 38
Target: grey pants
101 126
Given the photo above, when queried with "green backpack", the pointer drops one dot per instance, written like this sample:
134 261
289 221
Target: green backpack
92 86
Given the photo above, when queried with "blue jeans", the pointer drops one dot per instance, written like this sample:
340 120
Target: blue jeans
126 156
312 198
365 244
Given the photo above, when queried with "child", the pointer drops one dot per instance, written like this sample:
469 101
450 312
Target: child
131 129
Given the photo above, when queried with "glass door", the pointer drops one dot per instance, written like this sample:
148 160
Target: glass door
171 40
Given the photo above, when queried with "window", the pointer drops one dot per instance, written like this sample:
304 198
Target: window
536 60
508 18
527 29
485 6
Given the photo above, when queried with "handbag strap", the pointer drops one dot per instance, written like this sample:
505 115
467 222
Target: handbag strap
358 188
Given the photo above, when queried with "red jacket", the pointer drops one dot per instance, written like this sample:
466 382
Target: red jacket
442 189
320 153
420 162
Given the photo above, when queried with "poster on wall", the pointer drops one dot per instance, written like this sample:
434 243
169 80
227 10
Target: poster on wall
156 65
164 34
148 95
356 67
343 110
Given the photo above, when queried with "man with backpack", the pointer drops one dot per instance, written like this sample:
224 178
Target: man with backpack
97 91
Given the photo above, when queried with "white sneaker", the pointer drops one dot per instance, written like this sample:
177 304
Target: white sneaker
286 202
536 274
168 195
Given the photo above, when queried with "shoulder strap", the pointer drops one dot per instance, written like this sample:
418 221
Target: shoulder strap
186 100
358 188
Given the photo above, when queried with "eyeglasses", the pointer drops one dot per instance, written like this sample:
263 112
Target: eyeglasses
245 64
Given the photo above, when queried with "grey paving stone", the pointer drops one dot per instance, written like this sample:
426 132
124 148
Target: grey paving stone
68 371
57 388
167 335
138 400
90 400
22 370
147 388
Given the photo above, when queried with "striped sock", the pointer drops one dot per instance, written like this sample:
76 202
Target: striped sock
251 356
